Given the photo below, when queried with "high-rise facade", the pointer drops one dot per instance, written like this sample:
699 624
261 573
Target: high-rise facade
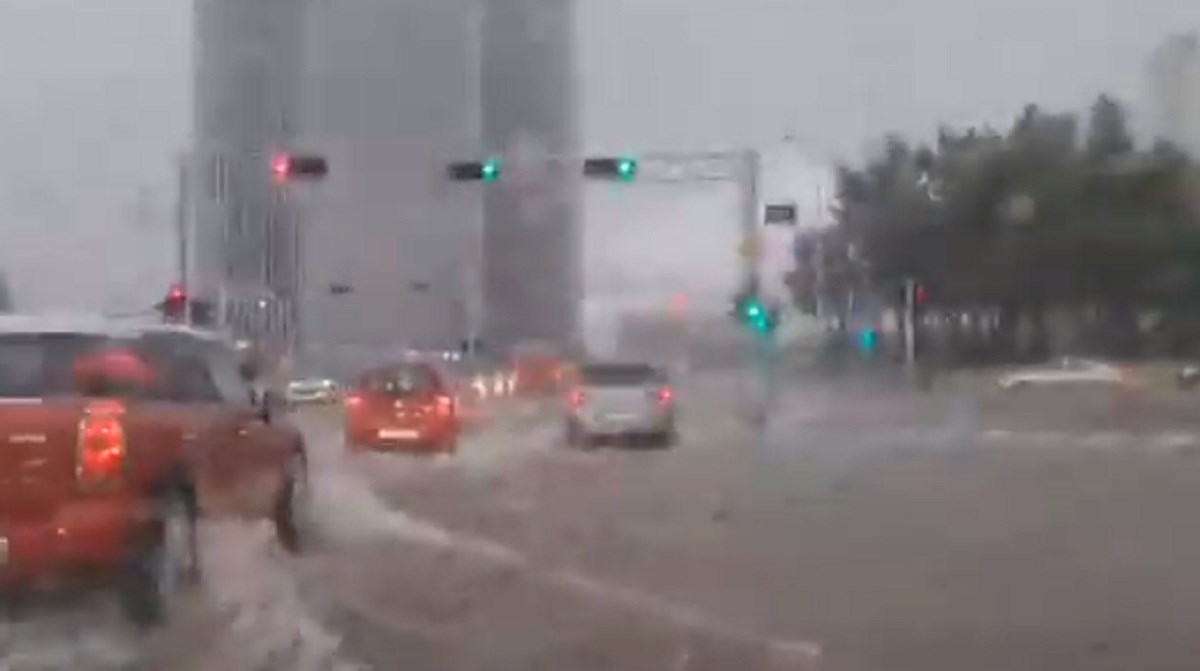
246 247
1173 92
533 241
391 91
392 97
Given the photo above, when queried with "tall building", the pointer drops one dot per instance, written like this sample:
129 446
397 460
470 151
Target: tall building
1173 92
246 252
533 241
392 96
390 91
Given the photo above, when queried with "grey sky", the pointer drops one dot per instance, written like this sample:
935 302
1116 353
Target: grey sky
108 80
93 101
686 72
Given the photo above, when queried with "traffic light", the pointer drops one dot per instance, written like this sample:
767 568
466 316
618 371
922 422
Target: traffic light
622 168
749 309
174 306
487 170
868 341
286 167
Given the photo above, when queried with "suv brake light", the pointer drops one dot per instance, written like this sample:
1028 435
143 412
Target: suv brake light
101 451
664 395
444 405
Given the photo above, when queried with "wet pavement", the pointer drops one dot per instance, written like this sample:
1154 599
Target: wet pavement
860 530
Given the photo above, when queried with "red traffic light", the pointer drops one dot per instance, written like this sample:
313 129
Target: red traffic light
281 167
287 166
174 305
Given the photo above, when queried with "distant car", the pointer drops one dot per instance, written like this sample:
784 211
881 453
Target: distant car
616 400
115 439
408 406
312 391
1067 371
1187 377
536 369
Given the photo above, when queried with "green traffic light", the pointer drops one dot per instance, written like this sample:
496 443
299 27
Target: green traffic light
868 340
490 170
626 168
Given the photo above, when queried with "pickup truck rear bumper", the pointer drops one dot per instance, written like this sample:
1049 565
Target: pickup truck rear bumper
86 538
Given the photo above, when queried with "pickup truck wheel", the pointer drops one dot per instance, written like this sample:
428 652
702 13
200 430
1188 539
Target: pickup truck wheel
293 511
162 565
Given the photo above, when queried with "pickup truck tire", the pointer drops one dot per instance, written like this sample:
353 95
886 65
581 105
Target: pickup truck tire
164 562
293 510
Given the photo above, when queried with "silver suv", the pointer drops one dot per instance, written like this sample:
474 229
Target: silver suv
620 400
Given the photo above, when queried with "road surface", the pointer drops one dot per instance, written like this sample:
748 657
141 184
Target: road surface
862 530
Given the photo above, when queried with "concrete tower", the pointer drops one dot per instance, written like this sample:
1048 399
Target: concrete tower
245 229
532 249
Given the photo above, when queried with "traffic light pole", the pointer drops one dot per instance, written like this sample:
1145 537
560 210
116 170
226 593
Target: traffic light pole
750 166
182 231
910 323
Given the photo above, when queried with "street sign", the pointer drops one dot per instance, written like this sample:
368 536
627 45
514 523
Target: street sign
780 213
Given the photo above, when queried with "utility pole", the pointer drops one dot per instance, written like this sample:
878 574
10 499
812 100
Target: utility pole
751 164
910 324
182 232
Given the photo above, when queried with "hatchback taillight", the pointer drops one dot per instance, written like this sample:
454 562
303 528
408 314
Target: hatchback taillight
664 395
101 451
353 401
444 405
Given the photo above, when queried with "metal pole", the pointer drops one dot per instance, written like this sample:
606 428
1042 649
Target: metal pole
751 164
182 234
181 223
474 271
910 324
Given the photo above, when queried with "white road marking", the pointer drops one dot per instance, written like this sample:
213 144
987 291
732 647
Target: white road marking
593 589
1105 438
1172 441
347 508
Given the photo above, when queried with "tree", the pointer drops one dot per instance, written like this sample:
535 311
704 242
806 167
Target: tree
1108 132
1031 219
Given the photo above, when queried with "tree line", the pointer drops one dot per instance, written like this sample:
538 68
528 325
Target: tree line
1051 221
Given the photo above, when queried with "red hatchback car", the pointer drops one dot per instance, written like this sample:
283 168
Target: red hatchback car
114 441
406 406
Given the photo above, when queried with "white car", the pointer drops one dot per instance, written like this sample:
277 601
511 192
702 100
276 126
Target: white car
1067 371
312 391
620 400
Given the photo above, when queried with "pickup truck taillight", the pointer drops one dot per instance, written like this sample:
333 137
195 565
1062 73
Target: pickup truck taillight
100 455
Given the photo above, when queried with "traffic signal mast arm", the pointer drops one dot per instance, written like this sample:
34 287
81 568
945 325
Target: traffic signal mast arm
649 167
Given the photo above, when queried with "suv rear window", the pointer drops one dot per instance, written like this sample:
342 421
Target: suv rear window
620 375
402 380
36 365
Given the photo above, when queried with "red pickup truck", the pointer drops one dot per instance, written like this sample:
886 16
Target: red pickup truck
115 439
